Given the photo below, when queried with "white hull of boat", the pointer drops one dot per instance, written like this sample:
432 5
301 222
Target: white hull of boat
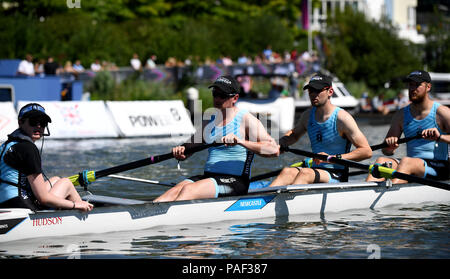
311 201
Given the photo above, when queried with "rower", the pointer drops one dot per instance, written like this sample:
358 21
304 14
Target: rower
426 156
331 131
227 169
22 183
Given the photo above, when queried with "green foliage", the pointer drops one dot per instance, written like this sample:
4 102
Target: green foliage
362 50
115 29
102 86
358 50
438 42
80 35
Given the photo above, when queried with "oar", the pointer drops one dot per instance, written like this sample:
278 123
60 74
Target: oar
403 140
87 177
273 173
382 171
299 164
147 181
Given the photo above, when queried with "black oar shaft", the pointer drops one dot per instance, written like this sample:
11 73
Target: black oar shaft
373 147
133 165
403 140
149 161
348 163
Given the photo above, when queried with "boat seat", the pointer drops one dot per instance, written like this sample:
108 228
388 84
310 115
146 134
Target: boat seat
98 199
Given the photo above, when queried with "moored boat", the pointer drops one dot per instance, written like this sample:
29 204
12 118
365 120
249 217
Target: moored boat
312 202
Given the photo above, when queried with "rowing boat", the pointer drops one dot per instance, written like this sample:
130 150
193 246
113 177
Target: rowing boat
312 201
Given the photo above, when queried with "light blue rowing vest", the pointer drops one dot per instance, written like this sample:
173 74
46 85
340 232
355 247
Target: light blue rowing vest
234 160
423 148
9 177
324 137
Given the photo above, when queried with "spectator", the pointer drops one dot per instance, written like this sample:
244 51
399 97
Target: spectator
51 67
258 59
227 61
242 60
136 63
26 66
278 86
294 55
109 66
364 103
246 84
77 67
402 99
171 62
378 105
96 67
188 61
39 68
287 56
151 62
267 54
68 67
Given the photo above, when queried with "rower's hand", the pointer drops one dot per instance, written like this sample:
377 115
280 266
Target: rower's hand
392 143
431 134
83 206
178 152
318 161
231 140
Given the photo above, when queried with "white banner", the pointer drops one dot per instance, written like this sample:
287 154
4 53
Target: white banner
151 118
76 119
8 120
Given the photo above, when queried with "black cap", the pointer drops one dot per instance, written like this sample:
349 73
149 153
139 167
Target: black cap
419 76
319 82
227 84
33 110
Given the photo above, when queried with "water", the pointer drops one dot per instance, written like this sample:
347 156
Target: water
420 231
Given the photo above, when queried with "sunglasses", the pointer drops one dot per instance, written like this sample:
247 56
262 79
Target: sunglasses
34 122
317 91
217 93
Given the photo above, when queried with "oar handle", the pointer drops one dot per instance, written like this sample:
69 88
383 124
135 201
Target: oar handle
403 140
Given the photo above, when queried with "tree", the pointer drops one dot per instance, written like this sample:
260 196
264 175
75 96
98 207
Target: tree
438 42
364 50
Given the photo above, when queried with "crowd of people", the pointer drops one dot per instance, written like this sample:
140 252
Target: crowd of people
378 104
49 66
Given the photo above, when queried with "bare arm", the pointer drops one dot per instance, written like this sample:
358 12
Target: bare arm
443 121
347 125
256 138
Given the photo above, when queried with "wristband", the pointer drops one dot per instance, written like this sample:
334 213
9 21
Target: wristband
439 138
